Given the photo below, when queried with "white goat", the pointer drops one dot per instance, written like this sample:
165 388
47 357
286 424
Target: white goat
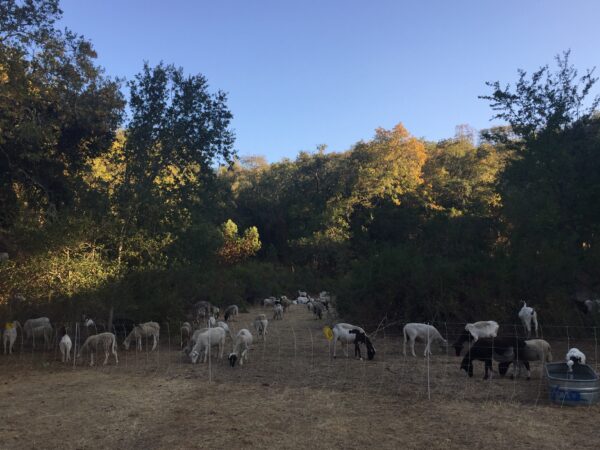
475 331
574 355
144 330
341 332
241 347
10 335
65 345
269 301
40 327
209 338
278 312
302 300
212 322
226 328
527 315
260 325
422 332
97 342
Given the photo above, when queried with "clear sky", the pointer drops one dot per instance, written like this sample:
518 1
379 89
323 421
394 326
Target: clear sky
302 73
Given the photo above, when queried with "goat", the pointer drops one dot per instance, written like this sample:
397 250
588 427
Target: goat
231 311
226 328
209 338
501 349
241 347
186 333
260 325
278 312
269 301
527 315
574 356
39 327
474 331
361 337
535 350
105 341
65 345
318 309
421 331
10 335
143 330
342 332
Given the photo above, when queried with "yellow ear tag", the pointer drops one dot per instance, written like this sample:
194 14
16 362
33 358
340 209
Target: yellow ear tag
328 332
9 326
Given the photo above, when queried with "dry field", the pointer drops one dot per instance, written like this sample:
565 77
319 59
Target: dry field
289 395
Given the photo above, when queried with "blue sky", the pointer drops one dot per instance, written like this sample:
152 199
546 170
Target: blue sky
303 73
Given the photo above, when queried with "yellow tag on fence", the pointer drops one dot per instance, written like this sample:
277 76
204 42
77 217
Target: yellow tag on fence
328 332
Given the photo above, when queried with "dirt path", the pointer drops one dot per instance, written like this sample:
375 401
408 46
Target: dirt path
289 395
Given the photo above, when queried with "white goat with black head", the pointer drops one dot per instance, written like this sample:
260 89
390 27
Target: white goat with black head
574 356
241 347
351 334
528 316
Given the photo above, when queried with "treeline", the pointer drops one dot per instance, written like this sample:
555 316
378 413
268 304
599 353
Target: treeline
144 215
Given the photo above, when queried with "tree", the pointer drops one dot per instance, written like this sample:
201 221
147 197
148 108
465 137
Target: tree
235 248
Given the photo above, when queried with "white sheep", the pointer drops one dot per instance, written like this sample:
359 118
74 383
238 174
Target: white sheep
241 347
302 300
475 331
209 338
260 325
422 332
269 301
573 356
527 315
40 327
341 332
10 335
277 312
144 330
97 342
65 345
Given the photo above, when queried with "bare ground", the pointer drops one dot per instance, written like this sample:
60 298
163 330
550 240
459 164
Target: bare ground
289 395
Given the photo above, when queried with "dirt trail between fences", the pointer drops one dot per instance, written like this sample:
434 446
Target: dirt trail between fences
289 395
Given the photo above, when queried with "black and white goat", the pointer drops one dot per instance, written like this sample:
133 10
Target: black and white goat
362 338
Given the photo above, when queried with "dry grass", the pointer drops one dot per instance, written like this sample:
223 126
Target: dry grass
290 395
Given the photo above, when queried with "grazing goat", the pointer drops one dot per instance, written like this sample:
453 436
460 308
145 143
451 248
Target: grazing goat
98 342
226 328
278 312
269 301
302 300
535 350
231 312
241 347
422 332
503 349
65 345
527 315
475 331
260 325
361 338
342 332
186 333
39 327
144 330
10 335
209 338
318 308
212 322
574 356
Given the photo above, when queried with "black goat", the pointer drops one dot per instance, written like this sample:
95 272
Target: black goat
502 349
362 338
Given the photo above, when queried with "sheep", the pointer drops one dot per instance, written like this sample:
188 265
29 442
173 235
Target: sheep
277 312
503 349
143 330
318 309
269 302
527 315
231 311
421 331
186 332
209 338
65 345
285 303
361 338
241 347
574 356
260 325
342 332
226 328
39 327
475 331
10 335
535 350
103 341
302 300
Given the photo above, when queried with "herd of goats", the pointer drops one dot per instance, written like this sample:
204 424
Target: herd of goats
206 331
